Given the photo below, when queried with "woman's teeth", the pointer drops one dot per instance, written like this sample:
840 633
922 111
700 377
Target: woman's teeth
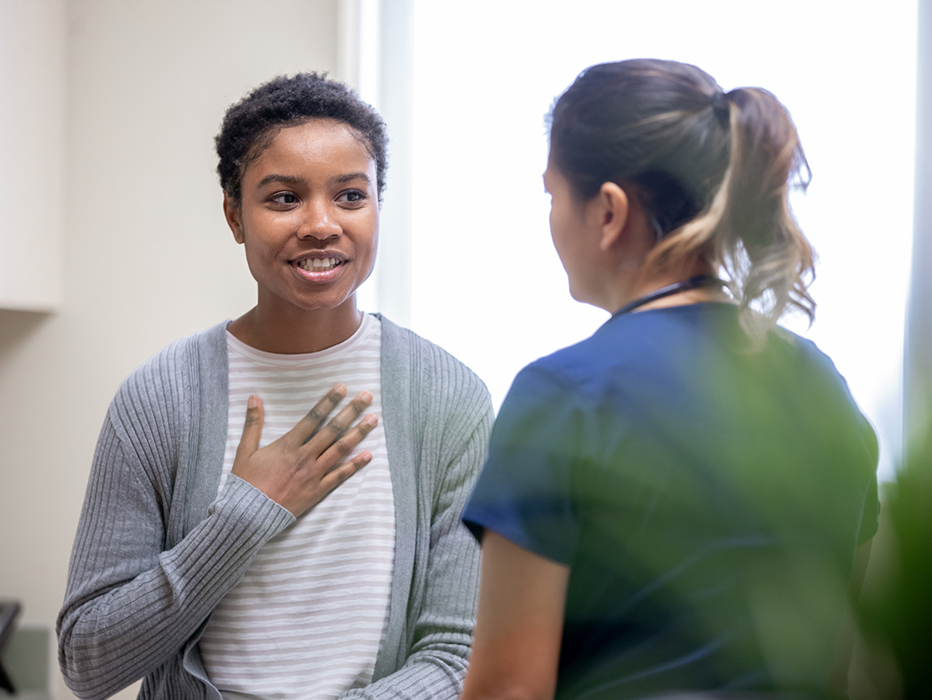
318 264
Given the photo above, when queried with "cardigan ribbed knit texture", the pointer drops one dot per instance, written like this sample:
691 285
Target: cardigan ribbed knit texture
156 548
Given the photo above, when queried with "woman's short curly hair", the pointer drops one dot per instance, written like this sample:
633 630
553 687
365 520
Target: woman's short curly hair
250 125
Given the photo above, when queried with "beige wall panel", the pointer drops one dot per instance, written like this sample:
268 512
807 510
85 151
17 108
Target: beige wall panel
147 255
32 152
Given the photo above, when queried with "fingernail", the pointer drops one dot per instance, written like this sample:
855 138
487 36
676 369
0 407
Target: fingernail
365 396
370 421
340 389
253 402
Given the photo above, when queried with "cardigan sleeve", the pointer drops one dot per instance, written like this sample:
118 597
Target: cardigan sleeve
130 604
444 608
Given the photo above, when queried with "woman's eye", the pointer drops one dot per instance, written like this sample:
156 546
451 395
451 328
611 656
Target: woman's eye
352 197
284 198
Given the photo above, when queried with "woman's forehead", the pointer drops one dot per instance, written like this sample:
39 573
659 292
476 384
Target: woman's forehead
321 145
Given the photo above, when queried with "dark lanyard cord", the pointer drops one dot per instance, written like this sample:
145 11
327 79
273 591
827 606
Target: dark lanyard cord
684 286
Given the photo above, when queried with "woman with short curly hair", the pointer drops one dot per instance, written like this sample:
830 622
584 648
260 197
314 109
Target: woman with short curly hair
231 544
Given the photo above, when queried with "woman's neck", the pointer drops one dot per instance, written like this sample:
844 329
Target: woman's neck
688 295
296 331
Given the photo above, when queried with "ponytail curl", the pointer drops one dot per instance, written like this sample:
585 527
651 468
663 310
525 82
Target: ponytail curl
748 229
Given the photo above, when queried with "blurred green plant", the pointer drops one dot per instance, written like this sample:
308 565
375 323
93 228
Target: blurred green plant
895 607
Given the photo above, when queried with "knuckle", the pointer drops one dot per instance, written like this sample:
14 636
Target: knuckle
342 446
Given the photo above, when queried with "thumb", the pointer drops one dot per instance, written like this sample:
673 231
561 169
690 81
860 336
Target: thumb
252 428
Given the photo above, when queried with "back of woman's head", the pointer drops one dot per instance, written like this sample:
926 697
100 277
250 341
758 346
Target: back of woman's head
711 170
250 125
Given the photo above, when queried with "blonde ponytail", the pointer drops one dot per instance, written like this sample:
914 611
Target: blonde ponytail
748 229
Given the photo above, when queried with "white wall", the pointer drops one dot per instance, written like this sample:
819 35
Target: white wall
147 255
480 229
32 152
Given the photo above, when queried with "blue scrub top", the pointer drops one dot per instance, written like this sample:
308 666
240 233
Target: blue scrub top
708 498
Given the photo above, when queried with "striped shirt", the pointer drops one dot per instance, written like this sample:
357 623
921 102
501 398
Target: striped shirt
308 616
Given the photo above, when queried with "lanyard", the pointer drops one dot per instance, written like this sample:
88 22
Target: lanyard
685 285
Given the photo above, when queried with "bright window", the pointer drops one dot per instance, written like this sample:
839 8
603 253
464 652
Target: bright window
486 283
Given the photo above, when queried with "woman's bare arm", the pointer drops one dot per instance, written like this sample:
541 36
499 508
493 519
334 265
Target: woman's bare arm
519 625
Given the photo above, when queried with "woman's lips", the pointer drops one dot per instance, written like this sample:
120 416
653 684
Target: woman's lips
320 269
318 264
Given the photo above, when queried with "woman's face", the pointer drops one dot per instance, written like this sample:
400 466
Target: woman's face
309 217
575 241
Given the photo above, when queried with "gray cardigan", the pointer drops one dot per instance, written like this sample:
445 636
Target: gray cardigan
156 549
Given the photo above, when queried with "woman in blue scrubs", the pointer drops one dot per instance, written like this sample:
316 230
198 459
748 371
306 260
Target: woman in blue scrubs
673 506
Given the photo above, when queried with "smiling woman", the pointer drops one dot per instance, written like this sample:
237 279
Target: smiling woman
309 219
220 553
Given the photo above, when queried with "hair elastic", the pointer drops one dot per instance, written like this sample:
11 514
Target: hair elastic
720 105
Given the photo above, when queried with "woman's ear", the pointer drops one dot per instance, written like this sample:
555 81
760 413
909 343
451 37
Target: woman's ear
613 211
234 216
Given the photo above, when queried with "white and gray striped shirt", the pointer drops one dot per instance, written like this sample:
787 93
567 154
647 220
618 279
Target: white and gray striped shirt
306 620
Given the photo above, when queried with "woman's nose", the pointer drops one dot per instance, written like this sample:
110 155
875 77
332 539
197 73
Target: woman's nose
318 222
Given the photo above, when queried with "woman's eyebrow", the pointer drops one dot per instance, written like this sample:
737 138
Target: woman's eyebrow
283 179
350 176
